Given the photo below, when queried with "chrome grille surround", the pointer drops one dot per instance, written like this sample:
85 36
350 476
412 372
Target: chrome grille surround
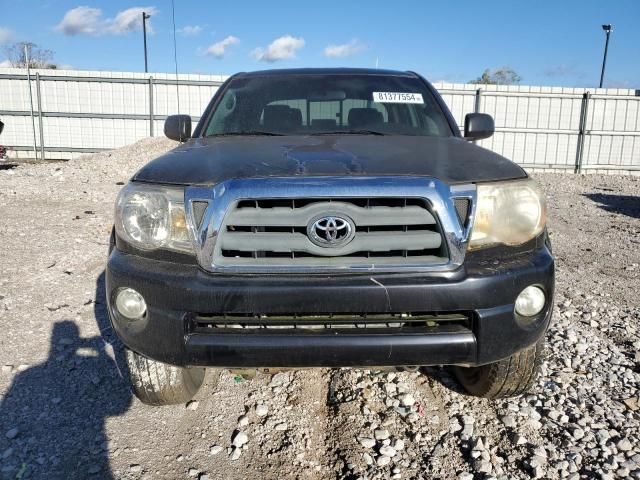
223 197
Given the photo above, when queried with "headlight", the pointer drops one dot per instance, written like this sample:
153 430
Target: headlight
508 213
151 217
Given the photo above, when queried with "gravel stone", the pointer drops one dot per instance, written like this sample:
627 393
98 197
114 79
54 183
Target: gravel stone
467 430
537 461
240 439
262 410
398 444
235 454
578 433
406 400
215 449
367 442
540 452
624 445
279 380
483 466
508 421
388 451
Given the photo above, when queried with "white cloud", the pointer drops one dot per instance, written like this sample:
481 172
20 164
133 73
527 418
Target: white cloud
6 35
88 21
344 50
80 21
282 48
5 64
219 49
190 30
129 20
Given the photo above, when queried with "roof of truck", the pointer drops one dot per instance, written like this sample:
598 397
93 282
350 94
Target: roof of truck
326 71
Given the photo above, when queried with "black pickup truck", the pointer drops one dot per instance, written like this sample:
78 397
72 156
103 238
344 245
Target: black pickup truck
330 218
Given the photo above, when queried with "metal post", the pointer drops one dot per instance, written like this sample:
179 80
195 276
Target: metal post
144 34
33 120
582 131
151 106
39 95
607 29
477 104
476 107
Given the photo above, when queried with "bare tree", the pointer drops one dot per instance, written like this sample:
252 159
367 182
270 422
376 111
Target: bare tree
499 76
38 57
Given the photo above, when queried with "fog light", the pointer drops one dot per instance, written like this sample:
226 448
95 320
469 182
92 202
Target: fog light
130 304
530 301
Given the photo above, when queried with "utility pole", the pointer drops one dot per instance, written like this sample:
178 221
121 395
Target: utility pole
145 16
27 48
607 29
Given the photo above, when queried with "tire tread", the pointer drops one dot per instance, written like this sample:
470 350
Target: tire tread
147 384
510 377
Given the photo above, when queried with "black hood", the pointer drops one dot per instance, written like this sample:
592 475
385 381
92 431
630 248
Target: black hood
214 160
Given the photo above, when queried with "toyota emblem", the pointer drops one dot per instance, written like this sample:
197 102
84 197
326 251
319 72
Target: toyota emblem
330 230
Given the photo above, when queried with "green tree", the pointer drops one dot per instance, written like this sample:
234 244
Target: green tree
499 76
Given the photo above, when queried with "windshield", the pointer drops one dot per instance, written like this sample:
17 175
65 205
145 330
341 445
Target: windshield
328 104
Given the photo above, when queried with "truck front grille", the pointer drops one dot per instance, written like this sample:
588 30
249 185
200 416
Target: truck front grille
383 231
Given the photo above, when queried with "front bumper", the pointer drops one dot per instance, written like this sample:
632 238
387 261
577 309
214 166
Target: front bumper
486 286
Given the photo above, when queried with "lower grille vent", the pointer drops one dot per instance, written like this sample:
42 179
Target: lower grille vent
203 323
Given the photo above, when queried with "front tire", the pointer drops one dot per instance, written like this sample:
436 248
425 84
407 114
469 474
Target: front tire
157 383
510 377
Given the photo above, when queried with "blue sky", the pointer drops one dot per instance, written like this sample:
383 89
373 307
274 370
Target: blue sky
547 42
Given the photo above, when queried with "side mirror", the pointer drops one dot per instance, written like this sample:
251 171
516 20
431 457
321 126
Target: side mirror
1 126
178 127
478 126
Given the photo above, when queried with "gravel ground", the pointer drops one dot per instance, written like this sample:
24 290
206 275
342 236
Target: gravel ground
66 411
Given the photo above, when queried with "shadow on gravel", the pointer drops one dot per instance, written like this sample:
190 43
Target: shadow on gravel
445 377
628 205
52 419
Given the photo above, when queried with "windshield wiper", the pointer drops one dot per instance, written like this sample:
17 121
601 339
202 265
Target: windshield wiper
247 132
350 132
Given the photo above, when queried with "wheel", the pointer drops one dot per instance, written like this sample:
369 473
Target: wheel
510 377
157 383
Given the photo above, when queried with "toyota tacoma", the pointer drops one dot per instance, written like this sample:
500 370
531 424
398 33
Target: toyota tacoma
329 218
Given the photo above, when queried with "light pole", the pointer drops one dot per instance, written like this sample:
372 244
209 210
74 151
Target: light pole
145 16
607 29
